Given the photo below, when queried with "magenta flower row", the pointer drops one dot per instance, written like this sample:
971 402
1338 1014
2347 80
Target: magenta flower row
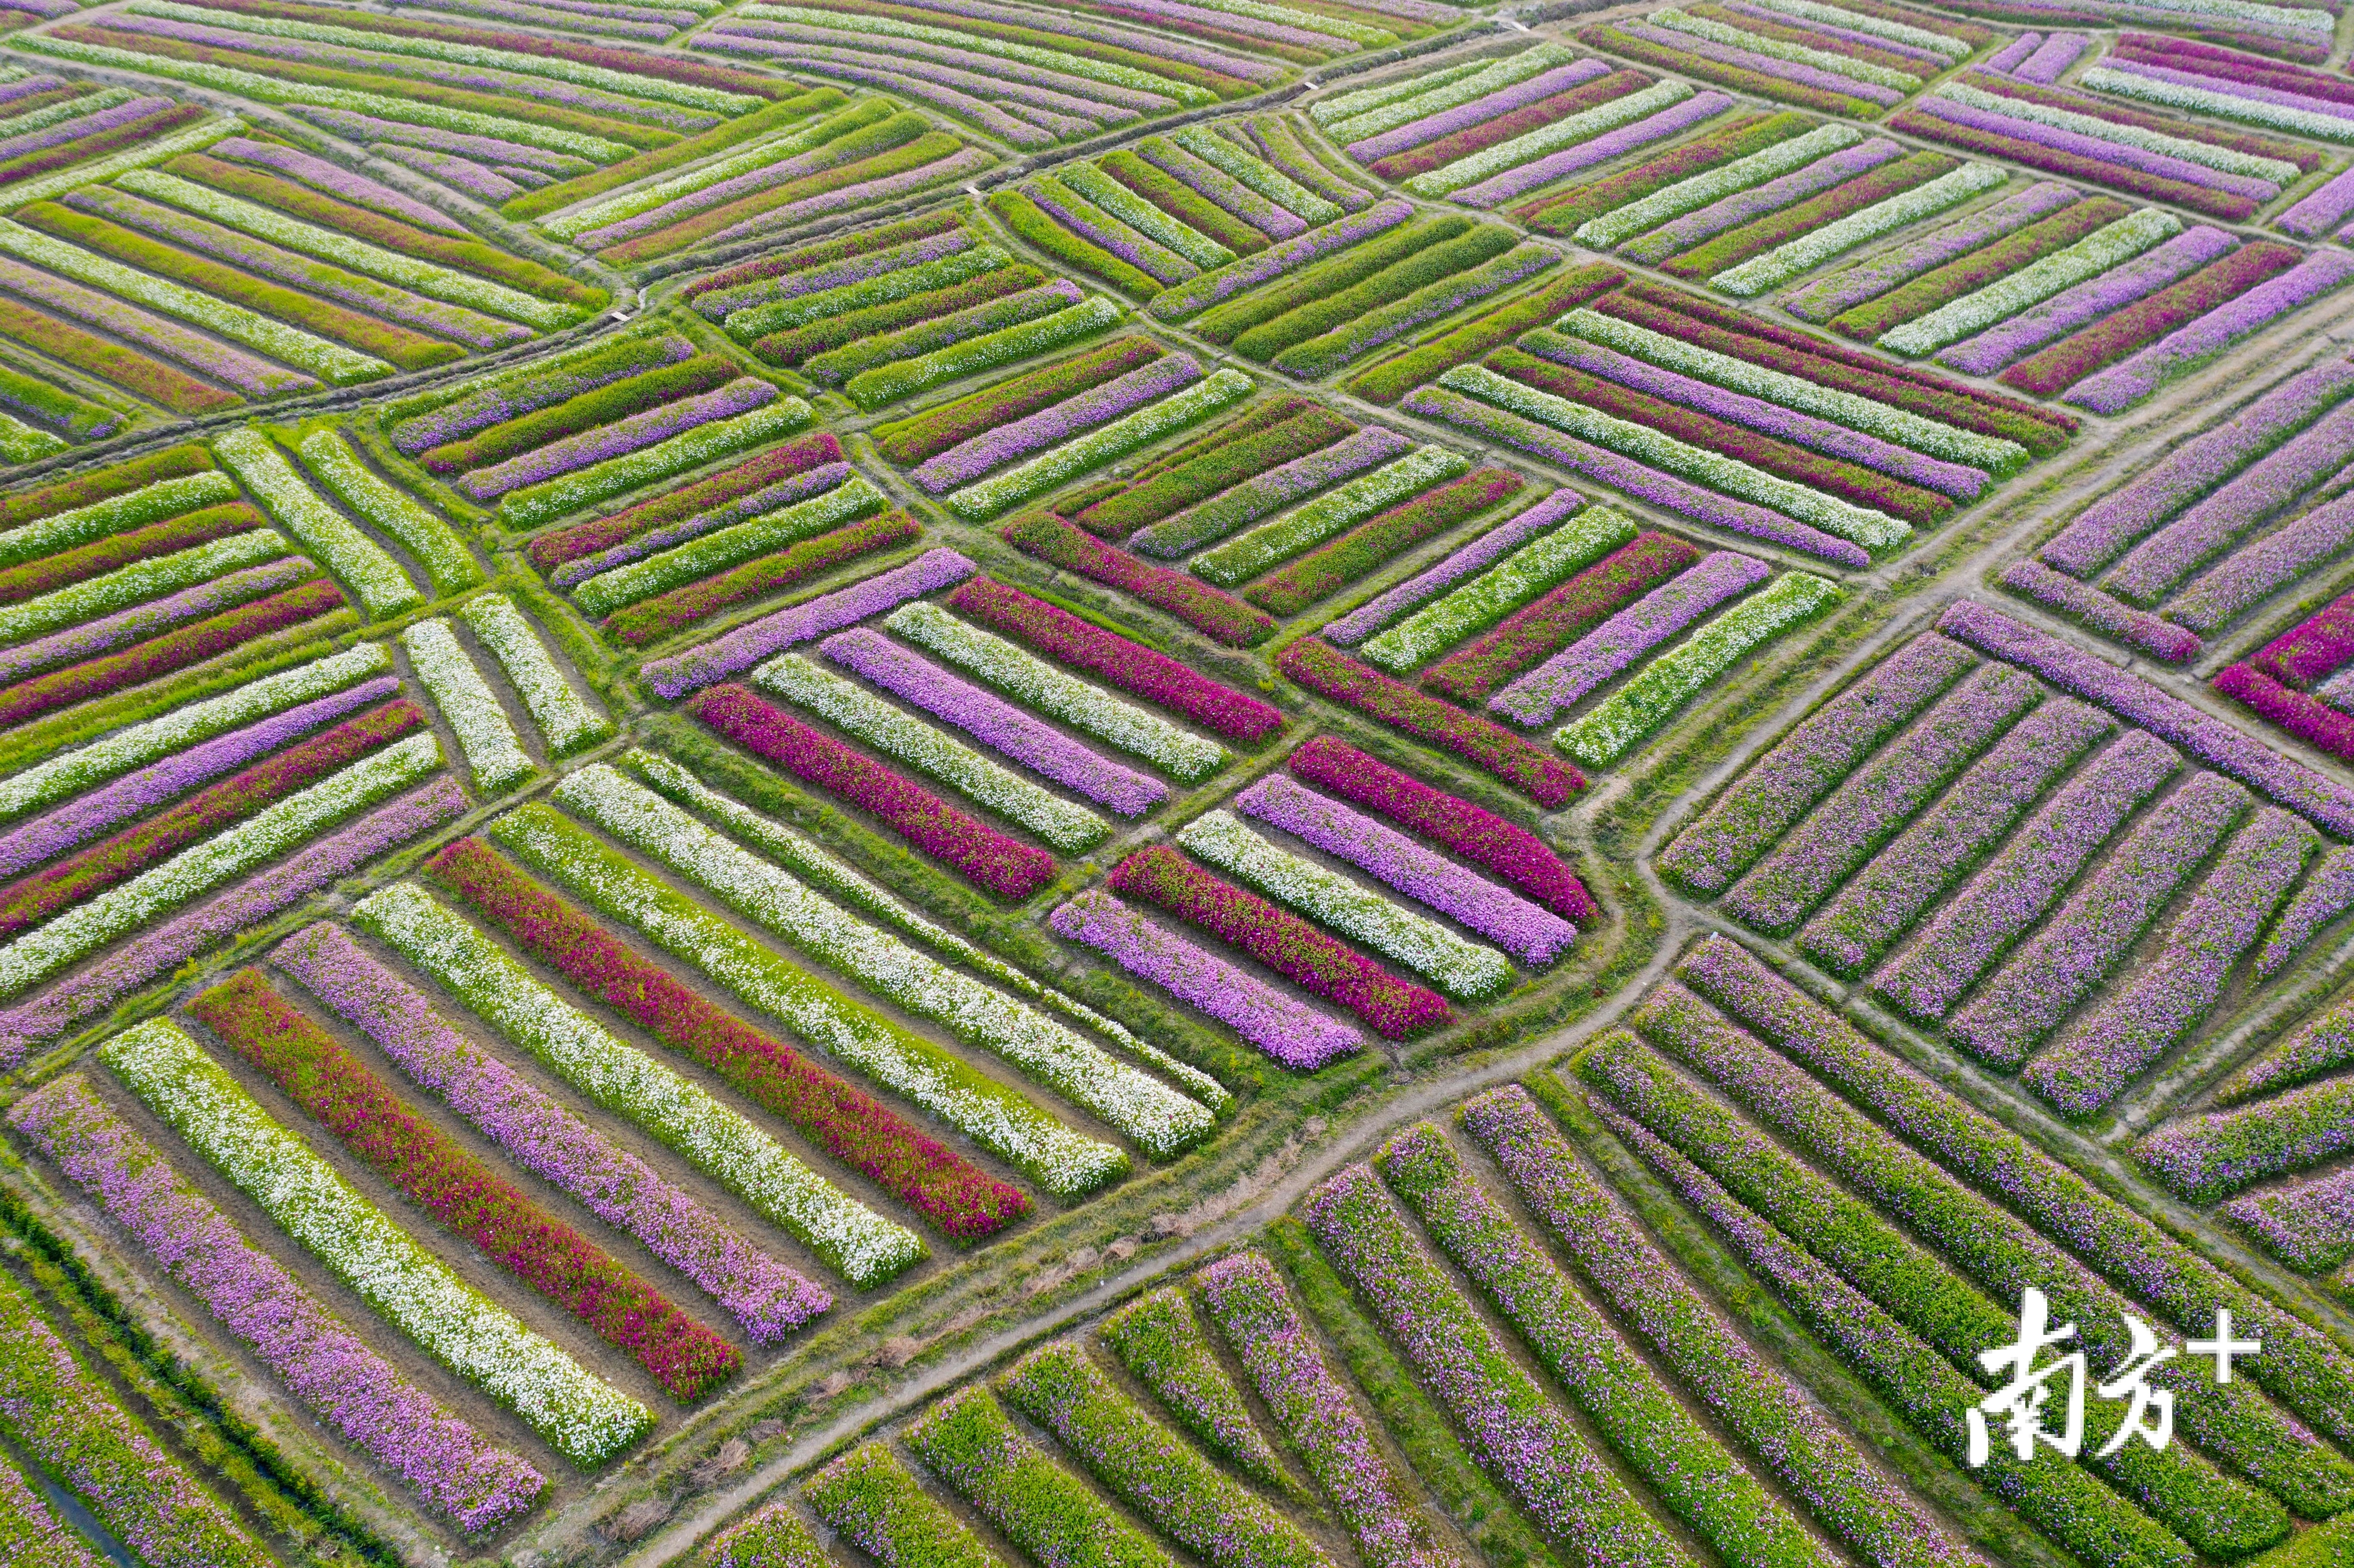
2104 613
2089 302
589 448
1479 112
1293 1033
1671 121
1870 279
785 492
1731 212
1472 558
2184 349
746 645
1052 426
330 1369
1558 685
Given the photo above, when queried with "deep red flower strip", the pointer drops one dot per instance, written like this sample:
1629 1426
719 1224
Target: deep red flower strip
1472 672
1117 661
551 550
1392 1007
174 651
2072 358
641 623
1218 616
959 1197
31 899
1483 743
67 494
2307 717
66 567
971 847
461 1190
1476 835
1328 569
2311 649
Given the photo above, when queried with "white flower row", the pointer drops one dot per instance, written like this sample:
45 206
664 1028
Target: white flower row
1162 1121
1786 261
1246 555
1057 694
717 1140
556 69
1501 589
1692 194
2206 154
495 752
582 1418
2223 105
1310 21
428 277
723 547
72 108
1065 1161
1776 48
1067 826
790 850
753 321
48 782
2095 254
970 43
291 345
21 442
359 563
536 503
115 515
986 498
1858 524
898 378
1460 968
646 198
195 139
1257 174
435 544
566 721
264 836
1953 48
2268 17
1341 106
1857 413
1564 133
1462 89
139 581
1142 216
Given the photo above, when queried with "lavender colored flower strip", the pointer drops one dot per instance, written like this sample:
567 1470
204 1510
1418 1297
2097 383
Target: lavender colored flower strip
1765 65
1674 120
327 1366
718 304
2281 779
1958 481
2248 576
1646 484
80 820
2088 302
2309 1225
1681 233
1930 57
337 180
92 992
2279 97
2151 569
462 174
87 125
168 339
767 1297
2323 210
1535 936
1098 228
2221 1152
2058 52
994 722
2117 153
867 193
1052 426
2009 57
1881 902
739 651
481 148
1189 299
2138 1022
144 621
2195 468
1479 112
783 493
686 204
1476 556
1214 184
1870 279
2111 617
1555 686
2325 895
2185 348
589 448
1268 491
1295 1035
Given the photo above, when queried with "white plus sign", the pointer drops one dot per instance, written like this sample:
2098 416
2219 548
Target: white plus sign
2222 1346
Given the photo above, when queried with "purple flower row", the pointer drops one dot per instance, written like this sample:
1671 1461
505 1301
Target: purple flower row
605 442
1675 119
2309 1225
2088 302
866 193
1293 1033
1535 936
78 820
32 86
2056 54
510 397
802 486
141 622
1270 491
1765 65
1479 112
462 174
2141 1020
337 180
2012 54
689 203
2206 1157
768 1298
328 1368
1956 479
1870 280
2324 209
2305 102
2136 628
182 346
85 125
994 722
1190 299
2247 577
697 667
1476 556
1213 184
1098 228
1646 484
2325 895
1169 14
718 304
1877 800
920 60
2164 165
1223 63
1555 686
250 903
1246 1299
484 149
2325 1040
2187 347
1058 423
42 1538
2221 746
1930 57
2195 468
1785 785
1759 201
